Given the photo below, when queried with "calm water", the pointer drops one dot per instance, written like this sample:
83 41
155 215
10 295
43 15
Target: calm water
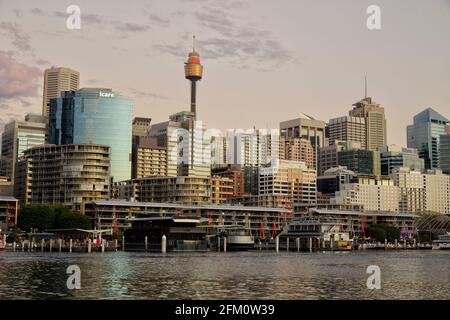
245 275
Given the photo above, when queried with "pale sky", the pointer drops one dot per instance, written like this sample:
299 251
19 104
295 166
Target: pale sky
264 61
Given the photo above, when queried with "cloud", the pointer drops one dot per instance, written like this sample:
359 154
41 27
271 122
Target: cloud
159 20
147 94
229 37
17 80
19 39
132 27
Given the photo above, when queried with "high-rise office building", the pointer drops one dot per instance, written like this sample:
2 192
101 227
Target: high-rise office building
305 127
148 158
95 115
444 148
57 80
141 126
375 121
292 179
328 156
19 136
424 135
361 161
394 156
298 149
347 129
66 174
188 147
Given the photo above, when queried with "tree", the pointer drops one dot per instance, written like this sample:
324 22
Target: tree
43 217
376 233
72 220
383 231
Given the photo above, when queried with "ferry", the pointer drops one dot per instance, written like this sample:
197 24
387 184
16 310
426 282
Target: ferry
240 240
343 246
443 242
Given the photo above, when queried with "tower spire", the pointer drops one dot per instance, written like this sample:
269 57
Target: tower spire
193 43
365 86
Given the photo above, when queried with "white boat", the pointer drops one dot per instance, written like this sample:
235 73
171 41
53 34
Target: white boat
443 242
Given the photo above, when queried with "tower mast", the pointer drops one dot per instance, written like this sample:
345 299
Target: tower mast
193 71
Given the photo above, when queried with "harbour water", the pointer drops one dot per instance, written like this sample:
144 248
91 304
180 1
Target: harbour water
418 274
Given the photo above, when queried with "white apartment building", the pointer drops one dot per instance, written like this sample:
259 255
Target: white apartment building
373 194
292 179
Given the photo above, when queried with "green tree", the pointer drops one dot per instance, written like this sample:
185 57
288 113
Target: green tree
376 233
42 217
72 220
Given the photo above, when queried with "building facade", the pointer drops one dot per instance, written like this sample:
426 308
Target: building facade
298 149
19 136
8 212
424 135
66 174
393 156
57 80
374 194
375 120
95 116
444 149
363 162
347 129
222 189
148 159
289 178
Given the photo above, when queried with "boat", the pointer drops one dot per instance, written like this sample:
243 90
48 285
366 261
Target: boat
240 240
343 245
443 242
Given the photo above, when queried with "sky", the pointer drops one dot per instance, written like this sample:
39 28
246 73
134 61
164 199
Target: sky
264 61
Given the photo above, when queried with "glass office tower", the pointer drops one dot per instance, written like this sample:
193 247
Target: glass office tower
95 116
424 135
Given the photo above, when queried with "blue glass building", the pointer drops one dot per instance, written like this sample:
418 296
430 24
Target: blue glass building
97 116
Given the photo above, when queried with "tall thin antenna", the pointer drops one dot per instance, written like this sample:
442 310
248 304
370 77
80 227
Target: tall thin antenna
193 42
365 86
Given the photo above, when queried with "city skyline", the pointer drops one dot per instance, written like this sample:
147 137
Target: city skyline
281 67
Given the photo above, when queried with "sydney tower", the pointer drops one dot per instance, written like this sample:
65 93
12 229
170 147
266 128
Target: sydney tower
193 71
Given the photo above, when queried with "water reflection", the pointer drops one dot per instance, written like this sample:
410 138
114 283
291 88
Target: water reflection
247 275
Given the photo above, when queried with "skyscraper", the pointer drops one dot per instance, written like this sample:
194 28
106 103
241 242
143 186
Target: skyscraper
424 135
347 129
57 80
444 149
375 121
395 157
19 136
305 127
95 115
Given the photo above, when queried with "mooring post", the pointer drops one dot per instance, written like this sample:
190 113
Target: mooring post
298 244
218 244
51 245
14 246
404 243
146 243
164 244
60 244
332 242
385 243
115 244
414 243
310 245
42 245
123 243
103 245
287 243
277 244
23 246
89 245
224 244
70 245
396 243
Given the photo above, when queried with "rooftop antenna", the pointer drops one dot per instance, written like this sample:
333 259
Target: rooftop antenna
193 42
365 86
